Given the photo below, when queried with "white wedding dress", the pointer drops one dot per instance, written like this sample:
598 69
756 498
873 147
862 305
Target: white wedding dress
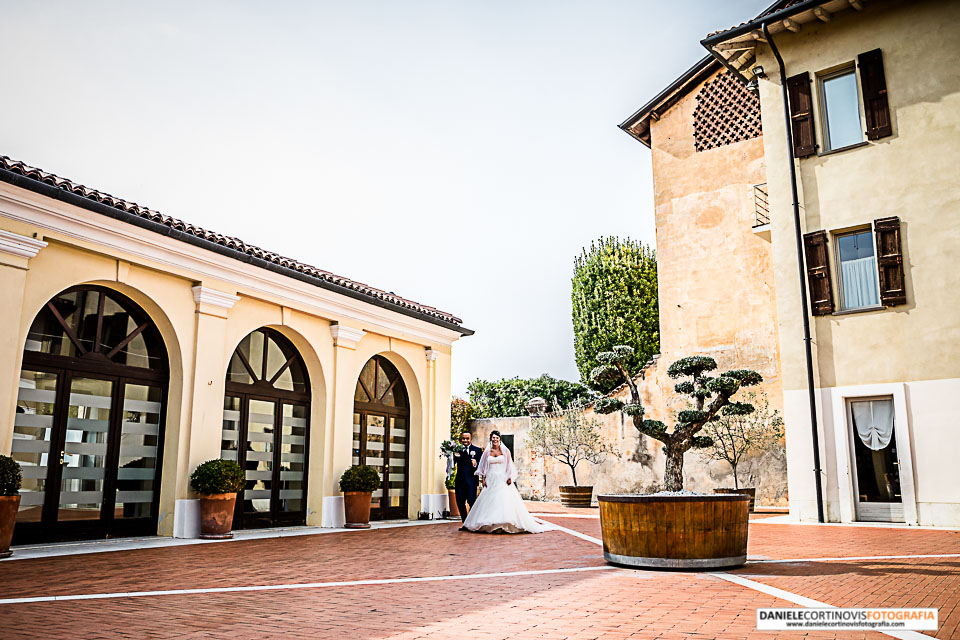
499 506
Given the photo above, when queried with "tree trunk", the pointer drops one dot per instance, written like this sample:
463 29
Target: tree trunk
573 470
736 485
673 475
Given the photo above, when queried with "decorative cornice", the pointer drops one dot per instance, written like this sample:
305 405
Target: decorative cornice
206 295
18 245
85 228
431 355
346 334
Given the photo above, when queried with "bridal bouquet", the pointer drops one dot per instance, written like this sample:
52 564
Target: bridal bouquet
450 448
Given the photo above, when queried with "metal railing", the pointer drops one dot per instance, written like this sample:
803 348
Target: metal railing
761 205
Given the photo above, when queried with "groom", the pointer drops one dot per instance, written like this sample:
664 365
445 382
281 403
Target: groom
467 480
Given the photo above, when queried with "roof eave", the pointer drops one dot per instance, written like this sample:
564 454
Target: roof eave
711 42
54 192
664 100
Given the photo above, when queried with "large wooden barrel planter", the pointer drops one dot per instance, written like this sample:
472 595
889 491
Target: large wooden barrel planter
752 492
576 496
675 532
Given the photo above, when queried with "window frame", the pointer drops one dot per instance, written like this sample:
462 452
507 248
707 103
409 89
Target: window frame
838 270
849 68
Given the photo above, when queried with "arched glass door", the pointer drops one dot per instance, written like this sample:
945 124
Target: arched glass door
88 430
266 414
381 435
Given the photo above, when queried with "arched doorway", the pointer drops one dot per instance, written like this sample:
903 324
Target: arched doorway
266 413
88 430
381 435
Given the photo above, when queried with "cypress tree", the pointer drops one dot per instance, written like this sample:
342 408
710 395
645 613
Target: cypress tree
614 303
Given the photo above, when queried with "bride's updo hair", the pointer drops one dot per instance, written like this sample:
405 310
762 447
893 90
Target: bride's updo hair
495 433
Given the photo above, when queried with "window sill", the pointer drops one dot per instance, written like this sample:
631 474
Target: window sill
841 149
847 312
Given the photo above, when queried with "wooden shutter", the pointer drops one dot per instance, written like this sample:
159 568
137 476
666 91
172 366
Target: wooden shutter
890 261
818 272
801 115
873 84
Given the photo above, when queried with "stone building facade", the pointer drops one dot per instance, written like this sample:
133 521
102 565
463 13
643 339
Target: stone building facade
874 100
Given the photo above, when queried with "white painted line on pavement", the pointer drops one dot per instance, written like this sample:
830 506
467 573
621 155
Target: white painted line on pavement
576 534
310 585
566 515
857 558
793 597
806 602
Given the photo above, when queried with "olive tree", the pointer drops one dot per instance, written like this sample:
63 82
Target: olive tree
718 389
734 436
570 437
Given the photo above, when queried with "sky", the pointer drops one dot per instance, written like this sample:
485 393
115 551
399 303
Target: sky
460 154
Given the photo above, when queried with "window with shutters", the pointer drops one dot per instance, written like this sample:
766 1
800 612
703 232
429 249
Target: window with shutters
857 271
840 109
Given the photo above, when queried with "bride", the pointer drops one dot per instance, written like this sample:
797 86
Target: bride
499 506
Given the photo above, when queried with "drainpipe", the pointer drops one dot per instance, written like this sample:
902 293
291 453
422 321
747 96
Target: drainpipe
803 275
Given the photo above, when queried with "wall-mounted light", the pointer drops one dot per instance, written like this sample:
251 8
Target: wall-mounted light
753 86
758 72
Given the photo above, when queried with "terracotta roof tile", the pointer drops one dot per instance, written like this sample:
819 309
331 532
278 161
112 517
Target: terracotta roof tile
236 244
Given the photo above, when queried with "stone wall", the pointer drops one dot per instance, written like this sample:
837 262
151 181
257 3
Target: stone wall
640 463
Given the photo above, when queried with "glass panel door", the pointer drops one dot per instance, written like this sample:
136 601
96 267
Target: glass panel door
395 477
230 436
139 450
84 452
373 450
32 435
293 454
877 466
259 457
357 438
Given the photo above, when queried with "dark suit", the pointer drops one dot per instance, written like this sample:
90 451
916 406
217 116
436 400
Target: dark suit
467 480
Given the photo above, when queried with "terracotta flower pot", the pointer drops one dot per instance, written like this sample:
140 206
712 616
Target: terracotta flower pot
8 518
576 496
752 492
356 505
452 499
216 515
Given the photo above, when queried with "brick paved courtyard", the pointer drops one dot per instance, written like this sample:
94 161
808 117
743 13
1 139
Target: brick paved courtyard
431 581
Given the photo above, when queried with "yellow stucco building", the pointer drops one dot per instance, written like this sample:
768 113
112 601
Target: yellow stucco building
871 92
137 346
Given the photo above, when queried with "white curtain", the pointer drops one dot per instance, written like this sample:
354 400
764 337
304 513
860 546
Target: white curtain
873 421
859 282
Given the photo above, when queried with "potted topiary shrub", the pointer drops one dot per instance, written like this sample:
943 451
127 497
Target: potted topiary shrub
218 482
358 484
676 528
735 436
10 478
569 436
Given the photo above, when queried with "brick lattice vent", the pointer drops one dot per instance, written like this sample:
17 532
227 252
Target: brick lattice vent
726 113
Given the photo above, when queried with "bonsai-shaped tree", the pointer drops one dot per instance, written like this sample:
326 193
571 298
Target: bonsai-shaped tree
736 435
569 437
690 422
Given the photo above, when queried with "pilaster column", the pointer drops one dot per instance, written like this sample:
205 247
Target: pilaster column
430 442
203 421
339 437
15 254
